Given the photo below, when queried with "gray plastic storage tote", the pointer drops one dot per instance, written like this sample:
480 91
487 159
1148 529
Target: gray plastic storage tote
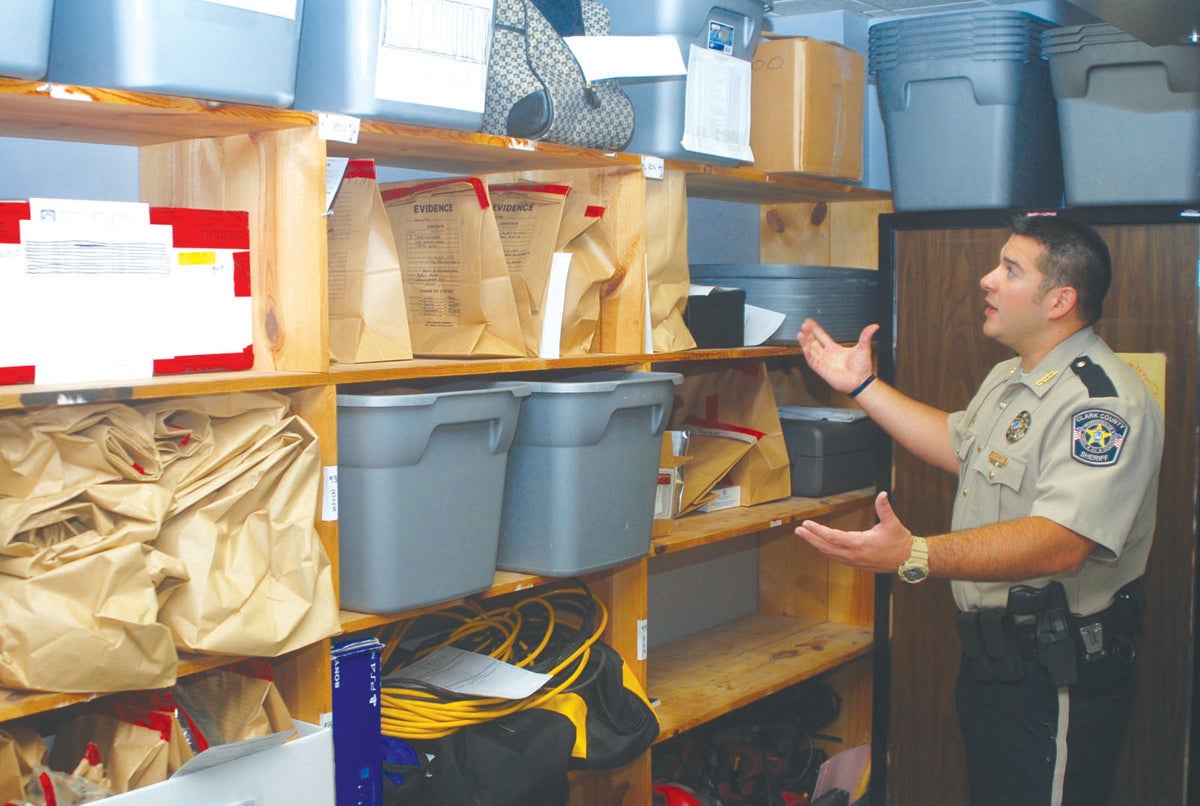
424 63
583 472
1129 114
25 37
193 48
660 103
968 111
420 483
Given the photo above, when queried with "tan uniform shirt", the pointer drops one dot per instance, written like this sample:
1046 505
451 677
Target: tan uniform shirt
1044 445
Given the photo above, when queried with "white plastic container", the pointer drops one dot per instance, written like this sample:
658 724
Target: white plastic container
420 483
583 472
210 49
422 63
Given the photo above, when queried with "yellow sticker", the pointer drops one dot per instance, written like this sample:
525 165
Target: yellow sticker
197 258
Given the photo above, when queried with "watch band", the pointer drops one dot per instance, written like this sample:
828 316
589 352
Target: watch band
916 567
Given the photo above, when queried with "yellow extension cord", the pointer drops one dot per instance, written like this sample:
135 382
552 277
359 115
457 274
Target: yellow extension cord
416 713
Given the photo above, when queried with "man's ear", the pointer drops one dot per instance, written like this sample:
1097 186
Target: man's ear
1061 301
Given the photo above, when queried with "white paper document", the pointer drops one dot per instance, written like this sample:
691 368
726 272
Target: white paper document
602 57
335 169
759 324
716 112
472 674
102 269
434 53
556 300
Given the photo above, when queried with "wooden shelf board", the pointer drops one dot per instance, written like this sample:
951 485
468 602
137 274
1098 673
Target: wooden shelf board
35 395
39 109
471 153
440 367
751 186
505 582
703 676
699 529
23 396
15 704
44 110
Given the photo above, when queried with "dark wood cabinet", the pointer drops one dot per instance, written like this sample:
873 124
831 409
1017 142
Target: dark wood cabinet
932 348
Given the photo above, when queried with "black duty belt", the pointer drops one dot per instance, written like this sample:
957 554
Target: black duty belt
1037 625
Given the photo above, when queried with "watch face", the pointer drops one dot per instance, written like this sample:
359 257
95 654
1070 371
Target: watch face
913 574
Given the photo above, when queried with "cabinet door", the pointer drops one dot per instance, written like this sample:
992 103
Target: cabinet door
940 357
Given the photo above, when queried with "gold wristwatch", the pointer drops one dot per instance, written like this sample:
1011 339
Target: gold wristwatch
916 567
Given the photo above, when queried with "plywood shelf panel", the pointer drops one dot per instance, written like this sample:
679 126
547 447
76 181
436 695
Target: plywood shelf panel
703 676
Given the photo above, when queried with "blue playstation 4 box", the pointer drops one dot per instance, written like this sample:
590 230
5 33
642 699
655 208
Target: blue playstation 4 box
357 762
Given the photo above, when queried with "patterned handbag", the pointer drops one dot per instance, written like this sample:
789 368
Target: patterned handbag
536 89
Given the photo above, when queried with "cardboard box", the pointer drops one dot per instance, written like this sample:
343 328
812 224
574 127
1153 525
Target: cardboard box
806 109
295 773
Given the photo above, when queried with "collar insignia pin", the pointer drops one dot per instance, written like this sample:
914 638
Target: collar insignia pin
1046 378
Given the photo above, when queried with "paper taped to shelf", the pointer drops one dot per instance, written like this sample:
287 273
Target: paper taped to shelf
96 291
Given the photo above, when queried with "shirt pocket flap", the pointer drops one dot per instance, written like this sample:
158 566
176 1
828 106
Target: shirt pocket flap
1001 468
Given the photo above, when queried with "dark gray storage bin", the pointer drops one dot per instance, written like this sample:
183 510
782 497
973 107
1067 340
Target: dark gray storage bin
583 472
829 456
1129 114
970 119
843 300
420 485
178 47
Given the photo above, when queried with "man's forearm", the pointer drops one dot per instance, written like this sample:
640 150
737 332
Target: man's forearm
920 428
1012 550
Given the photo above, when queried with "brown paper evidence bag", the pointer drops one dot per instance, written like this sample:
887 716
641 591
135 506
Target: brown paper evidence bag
468 270
129 533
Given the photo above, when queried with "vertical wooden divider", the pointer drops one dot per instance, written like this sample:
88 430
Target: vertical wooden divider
279 178
623 590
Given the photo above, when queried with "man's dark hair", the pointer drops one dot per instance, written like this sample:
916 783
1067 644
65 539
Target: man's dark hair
1076 255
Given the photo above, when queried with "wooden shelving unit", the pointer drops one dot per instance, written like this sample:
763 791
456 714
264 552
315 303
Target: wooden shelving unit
814 618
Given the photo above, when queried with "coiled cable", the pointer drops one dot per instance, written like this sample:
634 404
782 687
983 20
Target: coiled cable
550 631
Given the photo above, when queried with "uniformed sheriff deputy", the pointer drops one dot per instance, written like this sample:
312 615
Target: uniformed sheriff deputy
1057 458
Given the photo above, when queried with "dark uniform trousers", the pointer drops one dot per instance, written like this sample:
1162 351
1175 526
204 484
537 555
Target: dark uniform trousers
1010 732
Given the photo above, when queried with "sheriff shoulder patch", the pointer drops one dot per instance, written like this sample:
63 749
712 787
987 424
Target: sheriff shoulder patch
1097 436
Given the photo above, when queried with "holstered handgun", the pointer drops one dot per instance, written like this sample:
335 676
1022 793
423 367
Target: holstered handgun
1056 650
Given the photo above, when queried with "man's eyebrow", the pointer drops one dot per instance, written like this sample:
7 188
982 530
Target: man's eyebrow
1009 260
